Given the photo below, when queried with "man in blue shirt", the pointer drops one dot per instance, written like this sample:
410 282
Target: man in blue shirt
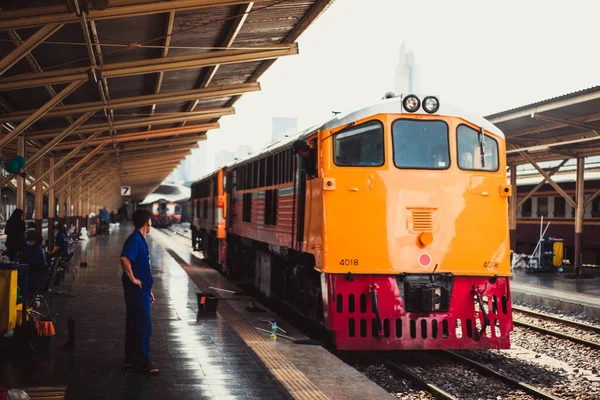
137 285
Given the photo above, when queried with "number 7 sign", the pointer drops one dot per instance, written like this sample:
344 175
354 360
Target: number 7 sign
125 190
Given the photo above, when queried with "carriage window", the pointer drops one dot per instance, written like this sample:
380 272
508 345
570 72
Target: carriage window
359 146
559 206
476 151
542 210
421 144
526 208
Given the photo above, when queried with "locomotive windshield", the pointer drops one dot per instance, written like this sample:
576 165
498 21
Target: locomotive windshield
360 145
476 151
420 144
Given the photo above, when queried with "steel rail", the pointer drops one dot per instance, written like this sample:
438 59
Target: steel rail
580 325
527 388
435 390
588 343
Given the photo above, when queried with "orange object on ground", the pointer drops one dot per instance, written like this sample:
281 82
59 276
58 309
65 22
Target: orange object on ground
45 328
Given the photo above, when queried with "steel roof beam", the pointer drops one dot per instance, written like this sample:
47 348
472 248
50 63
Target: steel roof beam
165 52
153 173
63 160
230 36
155 161
514 134
162 144
317 9
130 137
35 66
137 123
144 155
138 101
97 166
560 191
40 112
550 145
141 67
527 111
37 16
56 139
89 179
27 46
75 167
140 163
568 122
542 182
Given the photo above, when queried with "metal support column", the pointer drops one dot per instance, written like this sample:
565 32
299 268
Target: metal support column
579 216
69 208
20 179
513 208
51 206
61 204
39 197
87 212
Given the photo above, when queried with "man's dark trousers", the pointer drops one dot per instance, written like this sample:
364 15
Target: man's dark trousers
138 327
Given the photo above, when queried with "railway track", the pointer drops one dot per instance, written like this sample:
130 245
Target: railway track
418 380
585 328
180 237
527 388
396 366
575 324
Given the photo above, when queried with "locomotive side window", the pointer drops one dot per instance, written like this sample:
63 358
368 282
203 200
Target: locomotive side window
421 144
476 151
359 146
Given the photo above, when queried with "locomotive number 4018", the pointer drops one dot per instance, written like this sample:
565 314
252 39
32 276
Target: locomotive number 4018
349 261
490 264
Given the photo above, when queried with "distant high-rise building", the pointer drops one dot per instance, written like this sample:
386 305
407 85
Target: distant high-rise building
283 127
408 74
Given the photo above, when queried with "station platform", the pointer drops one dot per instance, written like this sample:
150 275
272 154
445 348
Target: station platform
557 290
218 356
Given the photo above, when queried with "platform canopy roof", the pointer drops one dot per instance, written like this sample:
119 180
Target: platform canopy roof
563 127
120 91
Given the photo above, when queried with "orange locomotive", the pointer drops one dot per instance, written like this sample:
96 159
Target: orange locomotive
388 224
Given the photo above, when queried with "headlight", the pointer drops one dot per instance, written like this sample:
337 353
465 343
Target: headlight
411 103
431 104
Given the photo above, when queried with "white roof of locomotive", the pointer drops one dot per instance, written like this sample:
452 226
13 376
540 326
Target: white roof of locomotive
388 106
394 106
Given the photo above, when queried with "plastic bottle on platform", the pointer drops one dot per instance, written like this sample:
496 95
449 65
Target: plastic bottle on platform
274 330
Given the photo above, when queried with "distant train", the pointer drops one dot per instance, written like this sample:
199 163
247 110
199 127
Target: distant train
547 203
389 225
164 213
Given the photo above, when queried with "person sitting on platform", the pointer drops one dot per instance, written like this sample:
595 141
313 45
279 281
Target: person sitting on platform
15 234
34 255
61 243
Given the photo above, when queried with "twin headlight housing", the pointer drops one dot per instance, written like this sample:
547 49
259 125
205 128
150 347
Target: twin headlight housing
411 103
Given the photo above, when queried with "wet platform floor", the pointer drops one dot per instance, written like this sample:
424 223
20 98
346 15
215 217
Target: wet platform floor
559 290
198 358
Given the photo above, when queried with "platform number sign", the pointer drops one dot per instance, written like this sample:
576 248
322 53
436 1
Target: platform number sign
125 190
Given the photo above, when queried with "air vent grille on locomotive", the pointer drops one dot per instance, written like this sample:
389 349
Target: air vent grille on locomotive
422 220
